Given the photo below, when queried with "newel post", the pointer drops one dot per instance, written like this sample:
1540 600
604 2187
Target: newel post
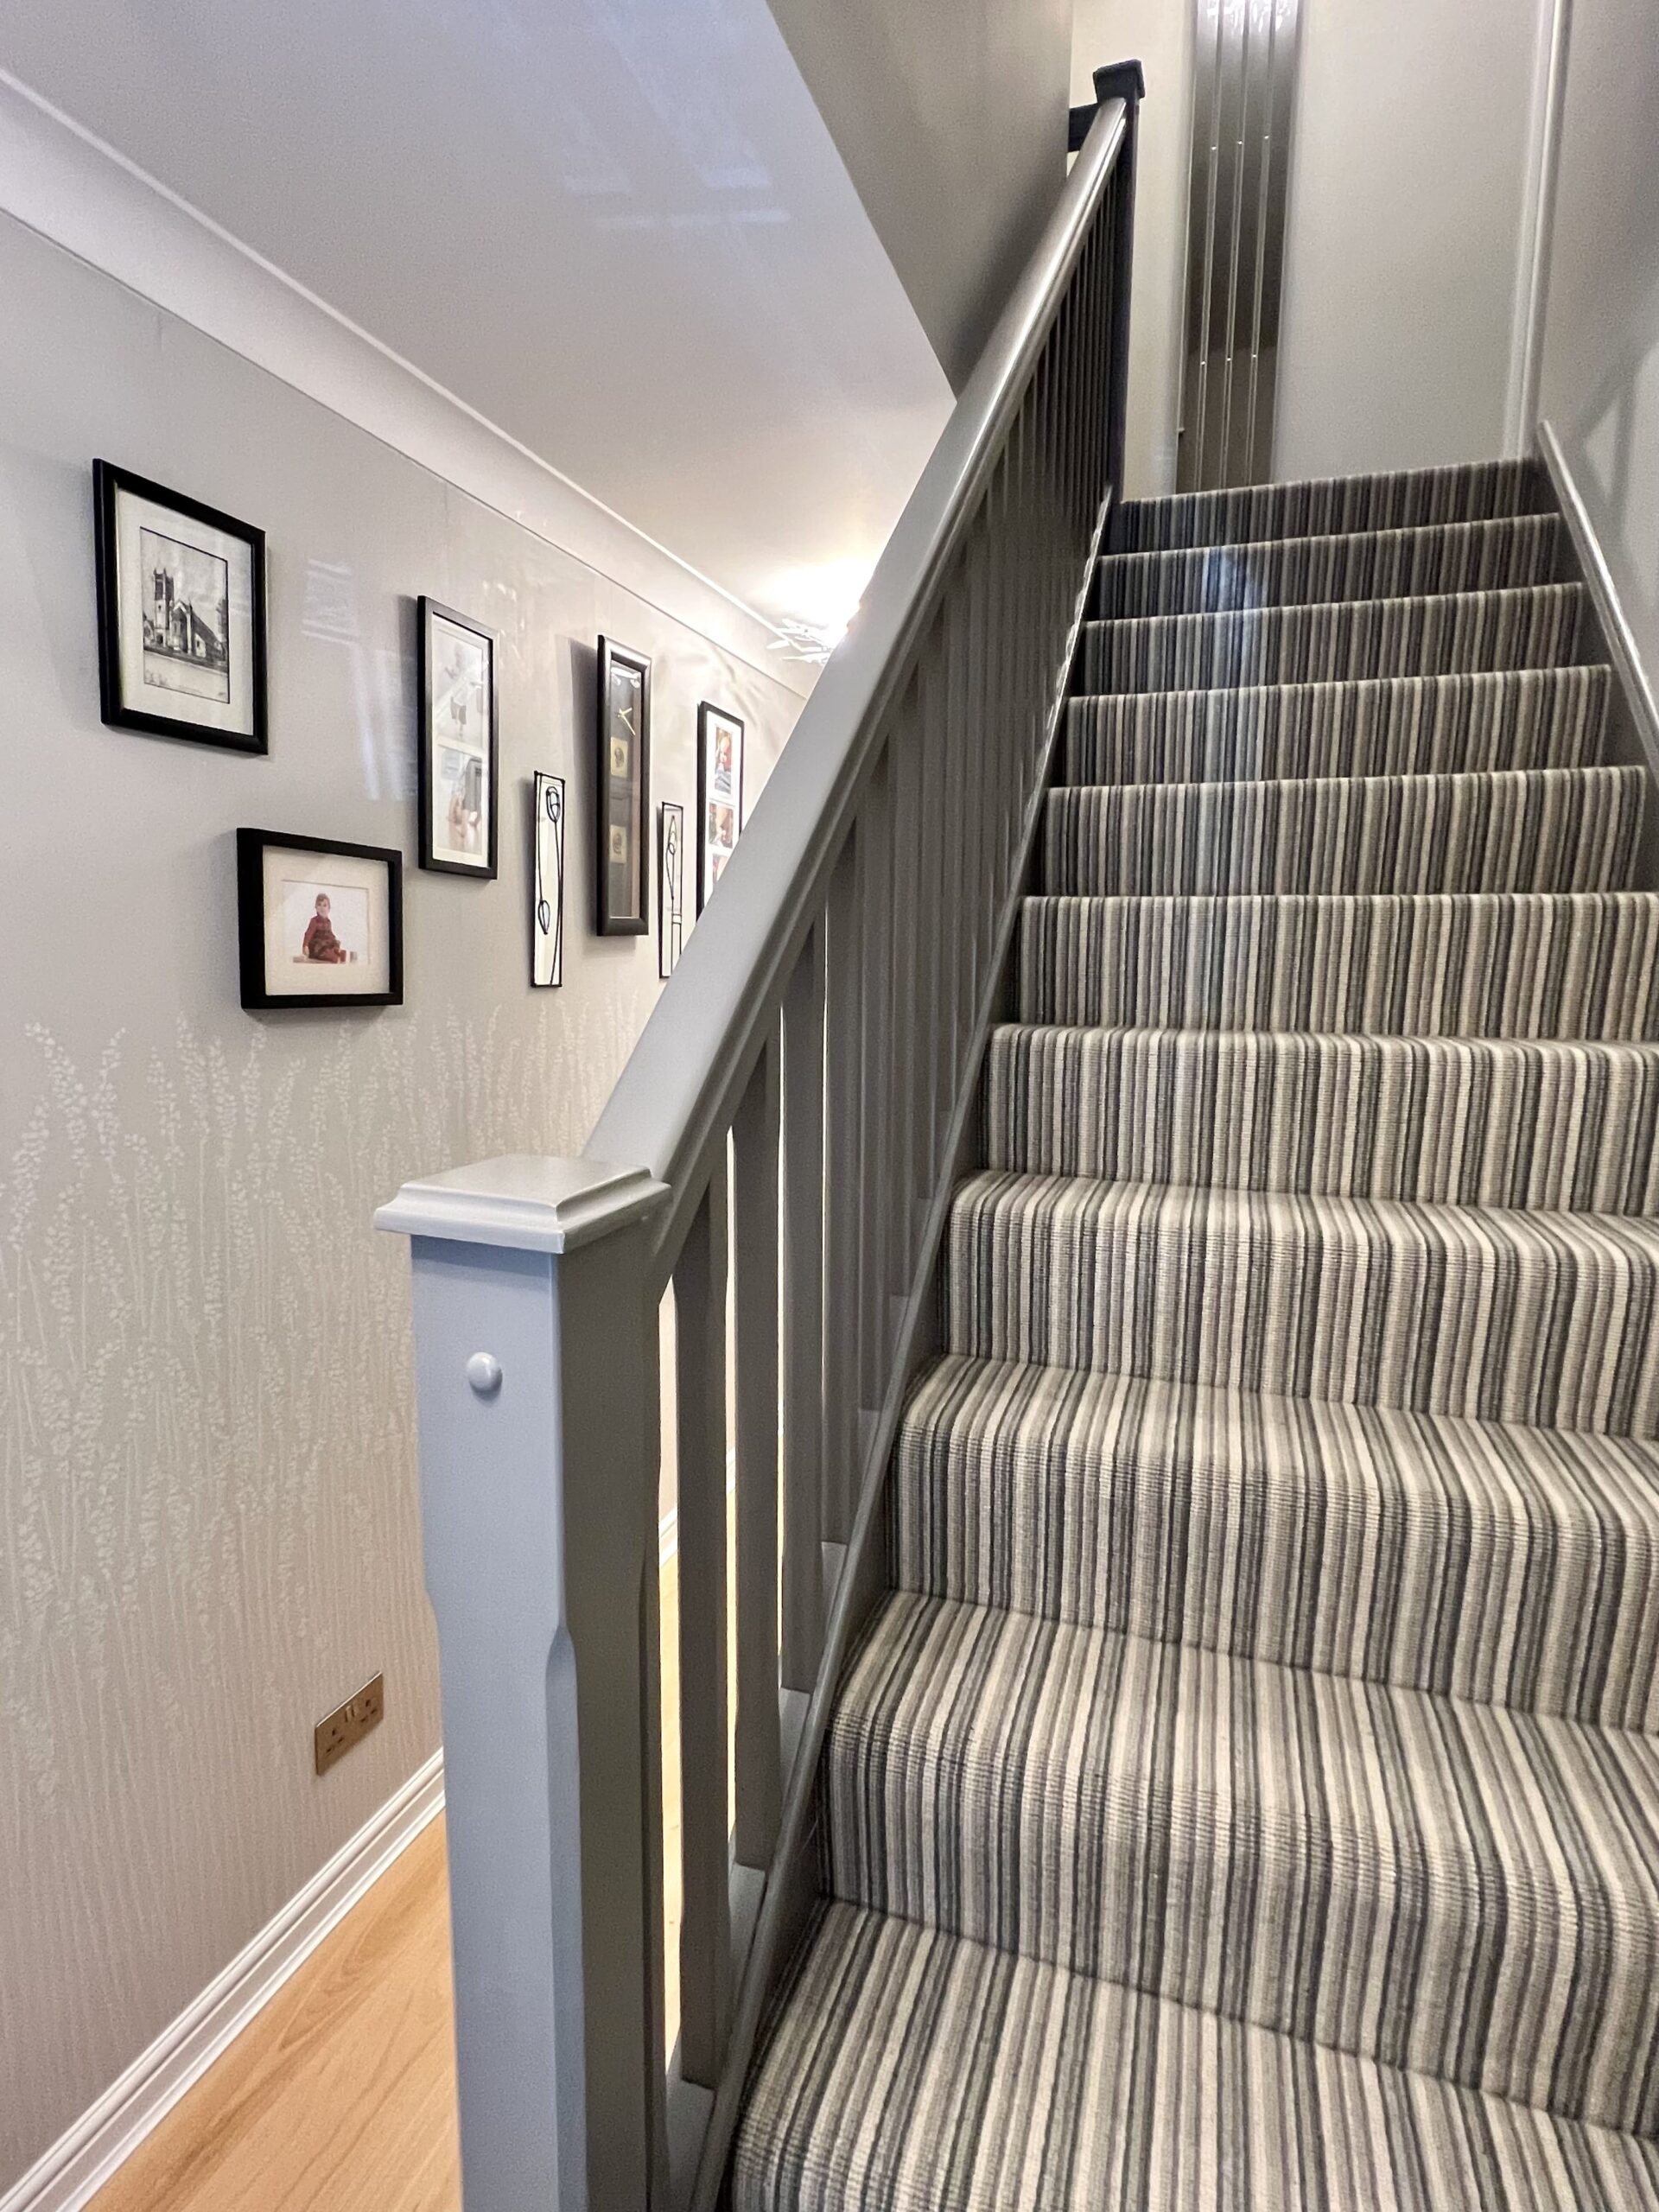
536 1358
1125 82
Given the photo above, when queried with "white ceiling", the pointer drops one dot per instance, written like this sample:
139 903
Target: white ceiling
617 228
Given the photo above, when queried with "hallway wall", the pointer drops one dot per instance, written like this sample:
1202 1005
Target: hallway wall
1403 244
207 1478
1600 382
951 122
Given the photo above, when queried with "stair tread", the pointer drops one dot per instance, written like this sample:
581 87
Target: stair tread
1618 1050
1322 505
913 2071
1496 1315
1468 1121
1309 1852
1531 829
1607 773
1602 1234
1458 632
1514 963
1485 1560
1490 554
1496 718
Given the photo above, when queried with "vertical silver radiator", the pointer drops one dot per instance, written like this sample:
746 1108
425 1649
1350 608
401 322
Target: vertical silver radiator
1244 95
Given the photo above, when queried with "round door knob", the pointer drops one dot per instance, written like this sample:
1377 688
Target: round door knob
484 1373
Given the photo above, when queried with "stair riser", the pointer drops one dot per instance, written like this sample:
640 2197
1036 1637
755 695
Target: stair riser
1431 1556
1571 1129
1392 967
1221 1851
1329 507
1389 726
1565 831
1455 636
1443 1314
1504 555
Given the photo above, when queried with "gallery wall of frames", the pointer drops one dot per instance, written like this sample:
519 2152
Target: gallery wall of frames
183 623
327 865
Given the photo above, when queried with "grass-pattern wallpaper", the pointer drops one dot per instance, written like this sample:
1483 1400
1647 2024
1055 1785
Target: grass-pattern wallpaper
207 1475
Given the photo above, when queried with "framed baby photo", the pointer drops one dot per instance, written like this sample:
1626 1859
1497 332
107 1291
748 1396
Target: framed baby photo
457 753
180 614
319 923
720 794
622 863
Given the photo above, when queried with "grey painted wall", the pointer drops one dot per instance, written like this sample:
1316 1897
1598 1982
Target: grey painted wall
1600 383
952 121
207 1484
1409 189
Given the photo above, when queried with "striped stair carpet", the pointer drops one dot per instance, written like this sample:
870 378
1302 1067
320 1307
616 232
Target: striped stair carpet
1246 1797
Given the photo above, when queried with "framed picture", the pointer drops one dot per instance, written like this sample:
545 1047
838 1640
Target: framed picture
180 614
670 885
720 794
457 753
319 923
547 910
623 814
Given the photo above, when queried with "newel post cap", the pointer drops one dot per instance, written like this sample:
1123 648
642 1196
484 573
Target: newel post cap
525 1202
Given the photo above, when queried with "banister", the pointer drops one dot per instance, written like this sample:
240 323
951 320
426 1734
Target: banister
790 1127
678 1093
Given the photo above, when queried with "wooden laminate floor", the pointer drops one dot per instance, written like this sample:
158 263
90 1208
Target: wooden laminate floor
340 2096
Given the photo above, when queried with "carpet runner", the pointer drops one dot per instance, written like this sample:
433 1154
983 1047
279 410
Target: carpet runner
1246 1797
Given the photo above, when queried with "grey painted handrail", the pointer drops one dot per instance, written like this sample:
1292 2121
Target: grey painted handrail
679 1094
788 1130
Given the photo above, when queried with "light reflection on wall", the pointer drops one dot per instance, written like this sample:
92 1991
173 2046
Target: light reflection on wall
381 679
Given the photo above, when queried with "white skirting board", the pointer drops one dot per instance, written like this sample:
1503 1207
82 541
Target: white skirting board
83 2160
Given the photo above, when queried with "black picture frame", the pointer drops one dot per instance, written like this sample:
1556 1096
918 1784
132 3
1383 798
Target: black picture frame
549 822
670 886
112 483
623 797
711 718
430 612
251 846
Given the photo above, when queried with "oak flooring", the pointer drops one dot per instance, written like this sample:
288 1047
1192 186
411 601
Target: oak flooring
340 2096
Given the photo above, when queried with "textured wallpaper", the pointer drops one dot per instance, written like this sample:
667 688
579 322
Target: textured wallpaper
206 1477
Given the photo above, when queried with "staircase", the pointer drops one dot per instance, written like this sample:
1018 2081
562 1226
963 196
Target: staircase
1245 1797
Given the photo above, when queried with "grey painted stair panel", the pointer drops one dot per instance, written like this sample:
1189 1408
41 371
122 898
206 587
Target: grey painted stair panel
1377 726
1500 1564
1496 556
1539 829
1474 1121
1522 964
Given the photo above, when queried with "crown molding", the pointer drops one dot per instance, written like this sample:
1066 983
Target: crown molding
61 181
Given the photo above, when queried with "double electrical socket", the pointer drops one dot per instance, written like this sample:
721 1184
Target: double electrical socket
349 1723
